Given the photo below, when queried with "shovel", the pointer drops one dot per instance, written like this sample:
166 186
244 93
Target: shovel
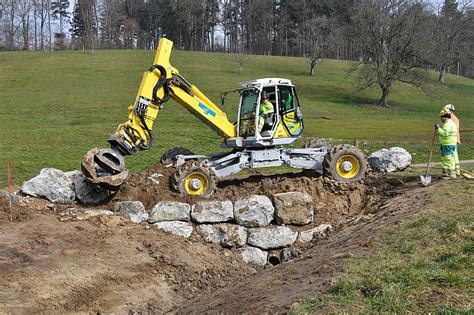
426 179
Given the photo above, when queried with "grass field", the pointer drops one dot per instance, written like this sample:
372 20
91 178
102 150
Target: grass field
423 265
55 106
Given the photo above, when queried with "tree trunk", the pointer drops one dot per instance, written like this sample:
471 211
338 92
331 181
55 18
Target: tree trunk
383 100
442 71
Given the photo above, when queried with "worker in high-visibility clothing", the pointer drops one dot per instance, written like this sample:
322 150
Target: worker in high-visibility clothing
266 113
452 109
447 132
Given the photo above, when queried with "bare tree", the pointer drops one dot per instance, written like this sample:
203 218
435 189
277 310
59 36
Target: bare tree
11 22
387 32
24 10
315 37
241 60
449 31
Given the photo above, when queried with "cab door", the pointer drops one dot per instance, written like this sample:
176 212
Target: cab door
291 124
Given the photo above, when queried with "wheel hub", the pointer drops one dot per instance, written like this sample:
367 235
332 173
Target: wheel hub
195 184
346 166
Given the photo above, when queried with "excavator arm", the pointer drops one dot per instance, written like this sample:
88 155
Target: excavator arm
106 167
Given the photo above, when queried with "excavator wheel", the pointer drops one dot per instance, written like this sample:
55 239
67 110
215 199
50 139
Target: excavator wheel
168 157
192 179
344 163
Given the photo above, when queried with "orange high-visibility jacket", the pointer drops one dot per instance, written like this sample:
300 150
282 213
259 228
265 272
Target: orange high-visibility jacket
456 122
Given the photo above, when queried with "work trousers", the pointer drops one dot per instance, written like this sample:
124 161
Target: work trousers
456 161
448 153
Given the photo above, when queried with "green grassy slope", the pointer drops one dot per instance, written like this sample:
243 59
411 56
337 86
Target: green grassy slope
55 106
422 265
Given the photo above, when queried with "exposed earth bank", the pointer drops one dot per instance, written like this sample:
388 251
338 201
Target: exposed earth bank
108 264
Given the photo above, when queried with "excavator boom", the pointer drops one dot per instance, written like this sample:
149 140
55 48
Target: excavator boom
106 167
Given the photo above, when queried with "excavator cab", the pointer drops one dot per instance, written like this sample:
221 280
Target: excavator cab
282 125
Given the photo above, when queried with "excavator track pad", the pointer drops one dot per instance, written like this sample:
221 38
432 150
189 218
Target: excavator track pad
104 168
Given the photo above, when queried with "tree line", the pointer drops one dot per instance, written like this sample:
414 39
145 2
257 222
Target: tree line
390 39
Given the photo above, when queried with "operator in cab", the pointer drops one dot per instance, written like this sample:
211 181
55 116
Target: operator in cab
266 112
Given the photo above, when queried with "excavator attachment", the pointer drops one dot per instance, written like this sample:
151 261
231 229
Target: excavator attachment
105 168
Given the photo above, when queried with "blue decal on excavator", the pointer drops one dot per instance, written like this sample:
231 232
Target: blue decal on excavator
207 110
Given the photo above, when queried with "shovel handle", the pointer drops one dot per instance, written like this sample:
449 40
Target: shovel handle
431 152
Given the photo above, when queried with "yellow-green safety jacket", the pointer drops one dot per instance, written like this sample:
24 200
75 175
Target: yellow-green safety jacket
266 107
448 133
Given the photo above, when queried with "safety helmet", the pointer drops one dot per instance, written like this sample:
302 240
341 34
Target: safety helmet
449 107
265 96
445 113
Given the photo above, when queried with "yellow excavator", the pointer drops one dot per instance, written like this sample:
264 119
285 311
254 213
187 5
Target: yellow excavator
256 139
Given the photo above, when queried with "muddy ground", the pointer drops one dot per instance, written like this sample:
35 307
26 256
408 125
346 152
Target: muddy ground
111 265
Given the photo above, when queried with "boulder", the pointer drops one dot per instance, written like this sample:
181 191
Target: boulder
132 210
210 233
293 208
53 184
307 236
253 256
390 160
179 228
85 213
233 235
225 234
271 238
89 194
212 211
254 211
170 211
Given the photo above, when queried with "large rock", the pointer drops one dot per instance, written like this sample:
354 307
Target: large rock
390 160
225 234
53 184
89 194
233 235
212 211
293 208
253 256
210 233
308 235
254 211
170 211
179 228
132 210
271 238
85 213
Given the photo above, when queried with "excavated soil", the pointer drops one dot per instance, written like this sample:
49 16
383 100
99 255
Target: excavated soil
107 264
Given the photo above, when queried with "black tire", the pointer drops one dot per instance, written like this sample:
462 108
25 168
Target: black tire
180 180
332 164
169 156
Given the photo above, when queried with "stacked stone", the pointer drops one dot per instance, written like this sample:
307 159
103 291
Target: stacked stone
254 225
245 225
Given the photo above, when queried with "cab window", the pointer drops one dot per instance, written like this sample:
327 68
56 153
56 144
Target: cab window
287 99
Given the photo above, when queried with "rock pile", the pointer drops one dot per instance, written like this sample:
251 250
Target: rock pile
253 225
64 187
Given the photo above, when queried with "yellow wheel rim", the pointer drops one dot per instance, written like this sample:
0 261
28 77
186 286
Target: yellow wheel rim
347 166
196 184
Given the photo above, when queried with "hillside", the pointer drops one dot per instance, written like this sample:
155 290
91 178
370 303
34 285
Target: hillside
54 106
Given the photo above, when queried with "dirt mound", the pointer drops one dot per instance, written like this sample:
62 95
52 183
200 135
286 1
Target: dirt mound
75 266
334 201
